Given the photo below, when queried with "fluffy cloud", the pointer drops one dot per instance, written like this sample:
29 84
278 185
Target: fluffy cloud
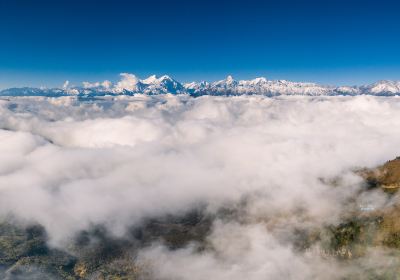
68 165
240 252
128 82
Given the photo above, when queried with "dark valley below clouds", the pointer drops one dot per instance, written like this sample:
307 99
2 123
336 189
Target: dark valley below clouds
213 187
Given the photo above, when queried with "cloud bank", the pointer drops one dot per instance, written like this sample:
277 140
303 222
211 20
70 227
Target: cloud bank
68 165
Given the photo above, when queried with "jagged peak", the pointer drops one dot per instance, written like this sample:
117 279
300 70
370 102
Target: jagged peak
259 80
154 79
151 79
229 78
165 77
131 84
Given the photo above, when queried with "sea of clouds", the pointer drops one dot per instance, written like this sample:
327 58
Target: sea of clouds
68 164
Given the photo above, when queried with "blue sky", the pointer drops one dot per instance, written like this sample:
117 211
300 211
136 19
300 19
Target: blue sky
331 42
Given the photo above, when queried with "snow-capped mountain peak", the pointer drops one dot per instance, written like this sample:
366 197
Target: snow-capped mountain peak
150 80
165 77
259 80
229 79
131 84
163 84
385 86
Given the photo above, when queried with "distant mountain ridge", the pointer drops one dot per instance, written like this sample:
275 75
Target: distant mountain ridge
153 85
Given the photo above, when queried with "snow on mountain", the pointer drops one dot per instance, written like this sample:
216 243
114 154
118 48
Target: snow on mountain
282 87
130 84
150 80
383 88
257 86
346 90
164 84
29 91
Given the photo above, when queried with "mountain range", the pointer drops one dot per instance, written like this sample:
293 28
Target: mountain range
129 84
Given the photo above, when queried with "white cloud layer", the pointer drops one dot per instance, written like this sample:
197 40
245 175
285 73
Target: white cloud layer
68 165
128 82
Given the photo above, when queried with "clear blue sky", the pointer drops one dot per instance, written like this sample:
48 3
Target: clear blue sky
327 41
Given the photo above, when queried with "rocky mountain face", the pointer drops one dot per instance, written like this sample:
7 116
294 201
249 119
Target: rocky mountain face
386 177
130 84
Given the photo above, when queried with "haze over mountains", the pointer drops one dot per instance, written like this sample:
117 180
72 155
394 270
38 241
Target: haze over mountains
130 84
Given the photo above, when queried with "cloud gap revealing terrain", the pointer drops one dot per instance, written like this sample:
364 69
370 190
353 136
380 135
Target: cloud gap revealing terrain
171 186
